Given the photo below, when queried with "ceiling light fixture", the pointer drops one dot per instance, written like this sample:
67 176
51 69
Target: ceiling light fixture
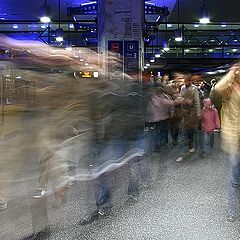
178 32
45 13
204 16
166 46
59 30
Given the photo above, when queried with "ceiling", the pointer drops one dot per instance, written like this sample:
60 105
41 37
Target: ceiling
30 9
220 10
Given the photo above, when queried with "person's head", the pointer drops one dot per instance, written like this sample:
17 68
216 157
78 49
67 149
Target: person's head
207 103
188 80
166 77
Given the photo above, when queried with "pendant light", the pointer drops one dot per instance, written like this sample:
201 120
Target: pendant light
204 16
59 30
45 13
178 32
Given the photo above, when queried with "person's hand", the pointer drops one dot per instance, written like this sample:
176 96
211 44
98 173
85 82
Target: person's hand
75 131
187 101
178 101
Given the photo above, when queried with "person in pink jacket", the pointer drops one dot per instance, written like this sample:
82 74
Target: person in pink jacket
160 108
209 122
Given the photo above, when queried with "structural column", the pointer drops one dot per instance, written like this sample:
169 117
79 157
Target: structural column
120 25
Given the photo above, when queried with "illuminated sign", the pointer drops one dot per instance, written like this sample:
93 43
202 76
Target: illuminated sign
86 74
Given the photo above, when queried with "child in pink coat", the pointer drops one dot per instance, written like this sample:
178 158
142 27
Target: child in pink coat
209 122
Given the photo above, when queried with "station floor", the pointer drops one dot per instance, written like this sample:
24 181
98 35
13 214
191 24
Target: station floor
183 201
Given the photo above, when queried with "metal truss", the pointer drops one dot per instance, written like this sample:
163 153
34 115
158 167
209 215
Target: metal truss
208 42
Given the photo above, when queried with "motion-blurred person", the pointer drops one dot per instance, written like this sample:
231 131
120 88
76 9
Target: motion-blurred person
11 163
120 141
216 98
63 103
159 110
229 90
209 122
191 112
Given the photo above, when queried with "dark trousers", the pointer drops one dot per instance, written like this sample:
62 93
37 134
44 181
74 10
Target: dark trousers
189 137
161 131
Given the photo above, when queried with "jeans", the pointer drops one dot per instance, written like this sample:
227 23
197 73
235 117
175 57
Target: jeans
161 132
189 134
113 151
234 184
207 141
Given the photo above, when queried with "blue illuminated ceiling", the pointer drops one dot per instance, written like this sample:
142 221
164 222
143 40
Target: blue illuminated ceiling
220 10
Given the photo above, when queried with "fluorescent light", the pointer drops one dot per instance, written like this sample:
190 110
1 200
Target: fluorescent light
145 67
45 19
59 34
210 50
152 60
169 25
204 20
196 25
15 26
148 64
71 25
43 26
223 25
178 39
234 50
157 55
18 77
165 45
178 35
158 19
187 50
90 3
59 39
86 64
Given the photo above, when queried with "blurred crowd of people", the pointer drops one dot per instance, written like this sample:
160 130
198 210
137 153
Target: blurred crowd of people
85 129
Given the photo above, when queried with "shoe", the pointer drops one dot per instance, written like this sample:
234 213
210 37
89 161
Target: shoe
39 193
43 234
179 159
105 211
3 205
192 150
232 217
89 218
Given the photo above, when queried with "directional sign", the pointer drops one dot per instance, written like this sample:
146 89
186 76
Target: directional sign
115 47
131 56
